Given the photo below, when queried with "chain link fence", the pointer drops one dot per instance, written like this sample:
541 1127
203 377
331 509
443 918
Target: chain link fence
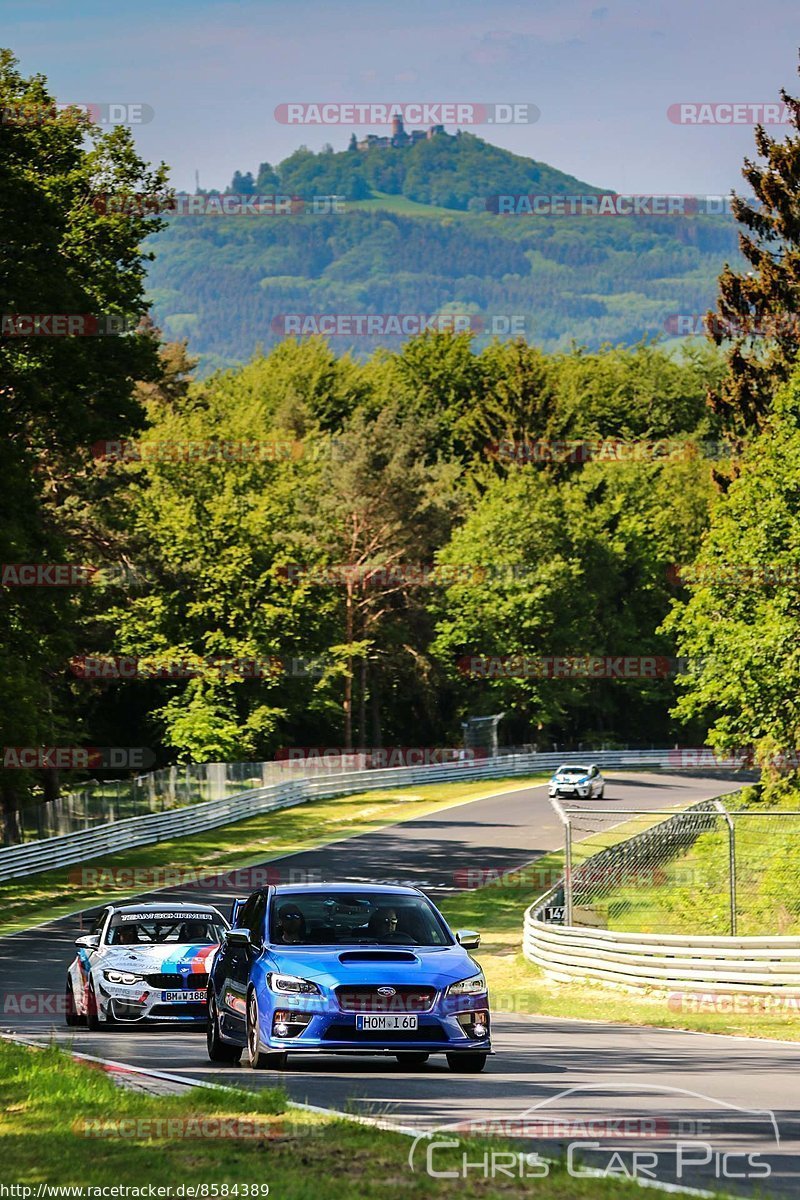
714 869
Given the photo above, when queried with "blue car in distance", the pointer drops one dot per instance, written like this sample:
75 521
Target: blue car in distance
346 969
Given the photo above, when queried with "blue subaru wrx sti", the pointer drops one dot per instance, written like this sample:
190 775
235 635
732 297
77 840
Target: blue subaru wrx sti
346 969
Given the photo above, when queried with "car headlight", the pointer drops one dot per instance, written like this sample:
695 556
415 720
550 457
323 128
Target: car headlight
122 977
474 986
292 984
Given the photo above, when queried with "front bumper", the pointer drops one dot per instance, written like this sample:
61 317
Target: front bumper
447 1027
130 1004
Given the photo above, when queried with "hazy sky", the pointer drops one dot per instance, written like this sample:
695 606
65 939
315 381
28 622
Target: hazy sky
602 74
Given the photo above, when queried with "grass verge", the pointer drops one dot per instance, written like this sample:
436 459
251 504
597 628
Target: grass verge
48 1103
43 897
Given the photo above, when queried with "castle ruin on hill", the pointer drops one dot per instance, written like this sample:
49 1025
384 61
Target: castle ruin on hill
398 139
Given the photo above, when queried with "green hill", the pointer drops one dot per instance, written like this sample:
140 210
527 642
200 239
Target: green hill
414 237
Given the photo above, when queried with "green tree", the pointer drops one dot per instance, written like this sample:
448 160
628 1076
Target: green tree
576 567
267 179
739 621
66 249
217 530
383 511
756 315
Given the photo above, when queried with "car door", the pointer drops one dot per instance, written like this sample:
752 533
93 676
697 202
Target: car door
594 781
87 958
232 967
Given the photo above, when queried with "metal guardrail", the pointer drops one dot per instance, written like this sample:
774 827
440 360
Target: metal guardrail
664 961
711 964
70 848
100 801
50 853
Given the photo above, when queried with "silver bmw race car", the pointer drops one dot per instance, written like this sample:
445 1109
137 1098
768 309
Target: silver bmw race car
144 962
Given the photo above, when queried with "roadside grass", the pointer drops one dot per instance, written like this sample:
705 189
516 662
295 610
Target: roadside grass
48 1102
43 897
519 987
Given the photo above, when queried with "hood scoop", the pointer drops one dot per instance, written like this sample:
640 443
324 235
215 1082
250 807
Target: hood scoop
377 956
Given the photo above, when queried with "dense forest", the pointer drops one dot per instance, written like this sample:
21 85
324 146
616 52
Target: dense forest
319 549
411 234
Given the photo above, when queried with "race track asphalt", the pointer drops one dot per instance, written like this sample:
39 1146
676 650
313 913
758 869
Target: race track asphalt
705 1102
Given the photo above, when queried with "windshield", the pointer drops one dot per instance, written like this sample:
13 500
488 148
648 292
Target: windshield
149 928
573 771
355 919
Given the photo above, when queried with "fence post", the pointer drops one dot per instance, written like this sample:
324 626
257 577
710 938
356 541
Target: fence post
565 821
720 807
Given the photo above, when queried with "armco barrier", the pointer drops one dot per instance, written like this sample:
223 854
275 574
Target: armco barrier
196 818
664 961
710 964
71 848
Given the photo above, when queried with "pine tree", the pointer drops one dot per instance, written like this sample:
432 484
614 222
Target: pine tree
756 309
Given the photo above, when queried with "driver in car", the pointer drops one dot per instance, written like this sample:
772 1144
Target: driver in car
195 931
383 925
291 925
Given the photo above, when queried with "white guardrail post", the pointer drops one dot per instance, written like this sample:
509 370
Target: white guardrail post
722 810
565 821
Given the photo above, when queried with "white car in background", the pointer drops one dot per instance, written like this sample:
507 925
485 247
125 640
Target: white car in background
584 783
144 962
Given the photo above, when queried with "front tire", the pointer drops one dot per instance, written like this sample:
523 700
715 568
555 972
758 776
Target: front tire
601 793
92 1012
469 1063
71 1014
260 1060
218 1051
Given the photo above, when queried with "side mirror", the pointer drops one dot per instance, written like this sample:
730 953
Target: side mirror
468 938
237 937
89 941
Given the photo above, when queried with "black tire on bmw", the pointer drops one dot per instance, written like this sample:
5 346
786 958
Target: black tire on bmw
71 1014
218 1051
467 1063
92 1017
260 1060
